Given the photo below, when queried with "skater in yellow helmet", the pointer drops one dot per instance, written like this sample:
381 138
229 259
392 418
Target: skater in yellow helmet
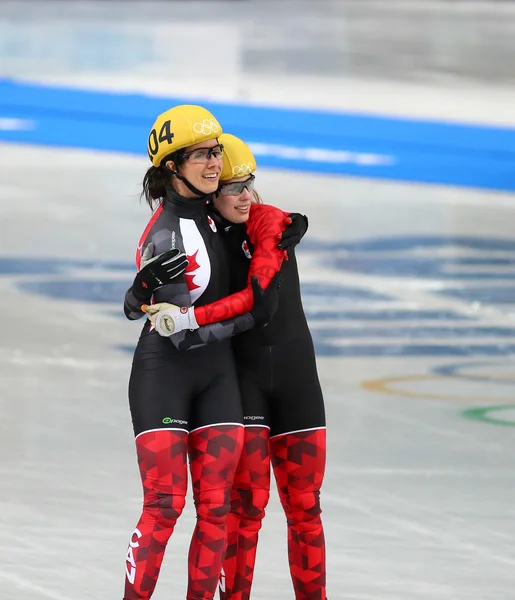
184 404
283 405
183 143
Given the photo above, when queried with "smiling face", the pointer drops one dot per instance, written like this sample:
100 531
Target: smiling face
235 207
200 167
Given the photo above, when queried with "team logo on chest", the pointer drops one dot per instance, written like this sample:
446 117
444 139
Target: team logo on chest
189 273
245 248
211 223
198 271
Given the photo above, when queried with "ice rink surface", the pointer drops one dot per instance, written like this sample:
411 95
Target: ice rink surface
410 294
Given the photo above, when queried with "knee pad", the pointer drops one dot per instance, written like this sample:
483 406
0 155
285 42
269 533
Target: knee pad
252 503
213 505
302 507
168 505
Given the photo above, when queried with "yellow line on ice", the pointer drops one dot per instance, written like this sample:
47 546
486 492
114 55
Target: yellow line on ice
384 386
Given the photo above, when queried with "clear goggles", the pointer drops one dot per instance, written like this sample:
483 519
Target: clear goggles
236 188
202 155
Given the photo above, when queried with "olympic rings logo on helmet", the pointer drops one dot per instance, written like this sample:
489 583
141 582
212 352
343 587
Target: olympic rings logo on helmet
241 170
207 127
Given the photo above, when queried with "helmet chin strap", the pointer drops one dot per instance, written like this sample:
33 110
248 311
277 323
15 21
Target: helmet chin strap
189 185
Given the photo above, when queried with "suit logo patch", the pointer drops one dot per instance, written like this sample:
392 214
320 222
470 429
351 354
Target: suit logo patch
245 248
211 223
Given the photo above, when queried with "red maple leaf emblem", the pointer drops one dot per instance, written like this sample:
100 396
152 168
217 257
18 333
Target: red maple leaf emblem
188 273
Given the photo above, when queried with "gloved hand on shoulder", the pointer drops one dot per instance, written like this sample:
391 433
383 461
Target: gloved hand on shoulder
294 232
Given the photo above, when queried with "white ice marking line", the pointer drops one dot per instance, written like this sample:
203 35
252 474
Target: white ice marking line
24 584
322 155
8 124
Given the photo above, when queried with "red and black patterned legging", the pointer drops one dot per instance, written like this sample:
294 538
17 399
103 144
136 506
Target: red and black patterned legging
214 452
299 463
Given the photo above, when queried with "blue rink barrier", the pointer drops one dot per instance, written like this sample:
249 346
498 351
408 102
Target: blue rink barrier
309 140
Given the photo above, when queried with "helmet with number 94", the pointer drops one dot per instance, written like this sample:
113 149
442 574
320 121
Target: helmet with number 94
180 127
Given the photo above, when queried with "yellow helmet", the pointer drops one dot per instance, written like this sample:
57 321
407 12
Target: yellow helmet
238 157
180 127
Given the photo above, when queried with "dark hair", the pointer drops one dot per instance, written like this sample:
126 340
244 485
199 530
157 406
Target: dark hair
157 179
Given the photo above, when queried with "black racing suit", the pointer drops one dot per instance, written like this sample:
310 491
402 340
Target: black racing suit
284 424
203 380
184 405
276 363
